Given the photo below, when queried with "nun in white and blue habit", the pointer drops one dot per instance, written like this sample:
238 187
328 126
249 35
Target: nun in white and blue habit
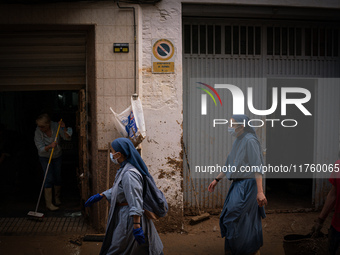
240 220
122 235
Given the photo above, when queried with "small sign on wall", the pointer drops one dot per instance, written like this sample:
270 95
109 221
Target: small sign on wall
163 56
121 48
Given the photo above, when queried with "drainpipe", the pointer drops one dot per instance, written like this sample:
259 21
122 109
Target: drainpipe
135 95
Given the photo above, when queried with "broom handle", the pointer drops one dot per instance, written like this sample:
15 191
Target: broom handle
192 182
48 166
55 139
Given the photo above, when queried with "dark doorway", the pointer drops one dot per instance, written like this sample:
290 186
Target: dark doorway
290 146
21 174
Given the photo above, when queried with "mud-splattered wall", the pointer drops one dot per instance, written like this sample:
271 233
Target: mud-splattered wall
161 95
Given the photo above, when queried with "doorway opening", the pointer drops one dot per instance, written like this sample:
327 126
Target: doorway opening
21 174
288 146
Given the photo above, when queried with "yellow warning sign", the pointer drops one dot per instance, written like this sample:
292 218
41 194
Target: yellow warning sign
163 67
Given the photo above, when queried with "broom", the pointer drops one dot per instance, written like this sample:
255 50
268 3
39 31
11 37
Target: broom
36 214
200 217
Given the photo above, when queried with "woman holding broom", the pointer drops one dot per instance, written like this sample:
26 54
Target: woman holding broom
44 137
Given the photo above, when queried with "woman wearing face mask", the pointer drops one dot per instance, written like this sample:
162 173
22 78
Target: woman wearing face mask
240 220
128 230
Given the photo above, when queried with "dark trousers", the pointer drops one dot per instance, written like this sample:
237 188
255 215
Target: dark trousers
54 172
334 241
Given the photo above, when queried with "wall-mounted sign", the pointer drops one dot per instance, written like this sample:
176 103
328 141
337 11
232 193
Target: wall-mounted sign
120 47
163 56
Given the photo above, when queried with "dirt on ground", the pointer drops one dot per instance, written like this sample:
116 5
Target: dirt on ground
203 238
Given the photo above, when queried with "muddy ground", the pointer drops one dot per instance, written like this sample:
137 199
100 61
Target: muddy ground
203 238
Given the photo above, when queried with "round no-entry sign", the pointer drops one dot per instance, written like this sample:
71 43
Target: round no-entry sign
163 49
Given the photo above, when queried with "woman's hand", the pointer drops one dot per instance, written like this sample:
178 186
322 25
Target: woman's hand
50 146
316 230
139 235
261 199
53 145
62 124
212 186
93 199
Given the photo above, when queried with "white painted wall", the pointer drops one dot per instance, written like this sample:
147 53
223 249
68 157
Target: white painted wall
161 95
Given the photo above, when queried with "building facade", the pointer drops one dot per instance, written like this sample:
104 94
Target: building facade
69 46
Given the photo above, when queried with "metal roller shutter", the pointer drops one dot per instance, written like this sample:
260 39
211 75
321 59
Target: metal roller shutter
220 49
42 60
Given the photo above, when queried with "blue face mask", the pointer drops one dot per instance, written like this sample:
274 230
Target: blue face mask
114 160
232 131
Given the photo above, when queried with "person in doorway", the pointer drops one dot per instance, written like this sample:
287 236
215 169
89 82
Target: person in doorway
240 220
44 137
128 230
332 201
